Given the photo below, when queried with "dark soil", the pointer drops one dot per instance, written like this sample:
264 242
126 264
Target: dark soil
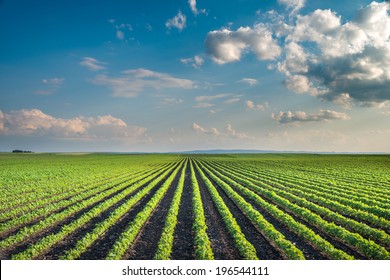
101 247
337 244
309 252
55 228
264 250
183 241
145 245
222 243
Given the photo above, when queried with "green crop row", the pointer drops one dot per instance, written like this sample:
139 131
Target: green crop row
83 200
301 230
325 202
127 238
365 247
103 226
164 246
47 242
202 242
377 235
287 249
246 249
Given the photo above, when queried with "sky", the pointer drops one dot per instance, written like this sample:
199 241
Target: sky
161 76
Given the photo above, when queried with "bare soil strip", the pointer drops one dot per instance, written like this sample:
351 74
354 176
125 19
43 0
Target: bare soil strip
183 241
221 243
145 245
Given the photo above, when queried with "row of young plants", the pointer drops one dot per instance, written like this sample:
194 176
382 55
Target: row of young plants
246 249
377 235
99 229
341 190
126 239
371 201
308 235
278 240
44 244
355 241
100 201
164 246
48 194
34 178
360 215
49 215
66 198
317 175
203 250
357 200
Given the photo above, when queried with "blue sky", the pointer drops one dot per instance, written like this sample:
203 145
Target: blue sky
181 75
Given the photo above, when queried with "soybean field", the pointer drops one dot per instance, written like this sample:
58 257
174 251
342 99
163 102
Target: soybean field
172 206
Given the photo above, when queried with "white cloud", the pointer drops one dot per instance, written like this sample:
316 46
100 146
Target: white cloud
121 29
203 98
53 81
120 35
346 62
301 117
33 122
195 61
172 101
349 63
232 100
294 5
250 105
203 105
226 46
249 81
92 64
178 21
52 85
229 132
194 9
133 82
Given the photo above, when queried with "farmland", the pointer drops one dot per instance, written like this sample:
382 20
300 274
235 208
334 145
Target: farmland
265 206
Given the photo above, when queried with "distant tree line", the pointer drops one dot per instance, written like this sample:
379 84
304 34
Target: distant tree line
21 151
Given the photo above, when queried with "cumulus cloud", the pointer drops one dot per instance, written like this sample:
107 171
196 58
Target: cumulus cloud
34 122
92 64
178 21
346 62
133 82
302 117
250 105
350 62
294 5
228 132
226 46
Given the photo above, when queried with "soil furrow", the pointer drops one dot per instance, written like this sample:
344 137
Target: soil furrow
145 245
222 243
183 242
